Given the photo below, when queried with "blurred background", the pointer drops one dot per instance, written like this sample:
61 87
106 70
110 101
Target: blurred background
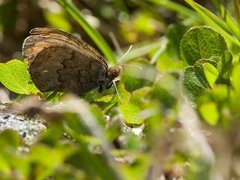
145 24
130 21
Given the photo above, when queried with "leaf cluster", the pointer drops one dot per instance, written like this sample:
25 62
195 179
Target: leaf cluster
175 113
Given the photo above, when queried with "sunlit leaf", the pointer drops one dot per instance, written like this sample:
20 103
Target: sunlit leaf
225 65
130 113
46 156
236 79
201 42
211 73
15 76
209 113
227 27
138 95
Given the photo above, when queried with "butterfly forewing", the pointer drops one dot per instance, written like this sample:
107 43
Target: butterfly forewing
59 61
41 38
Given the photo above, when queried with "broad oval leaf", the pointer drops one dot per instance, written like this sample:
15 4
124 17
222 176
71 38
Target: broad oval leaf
193 87
130 113
201 42
199 77
15 76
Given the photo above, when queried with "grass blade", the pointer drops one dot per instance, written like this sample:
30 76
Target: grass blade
227 29
95 35
176 7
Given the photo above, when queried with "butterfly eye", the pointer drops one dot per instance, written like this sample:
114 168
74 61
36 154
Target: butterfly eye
114 72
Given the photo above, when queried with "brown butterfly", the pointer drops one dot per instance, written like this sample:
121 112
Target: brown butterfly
59 61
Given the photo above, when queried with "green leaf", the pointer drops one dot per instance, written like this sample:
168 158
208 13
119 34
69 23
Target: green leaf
123 93
106 99
200 73
193 87
211 73
201 42
199 77
120 89
15 76
130 113
206 71
10 142
98 113
165 62
227 27
209 113
9 139
47 156
215 103
138 95
225 65
236 79
48 159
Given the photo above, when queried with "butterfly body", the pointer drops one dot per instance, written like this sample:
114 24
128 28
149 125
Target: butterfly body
59 61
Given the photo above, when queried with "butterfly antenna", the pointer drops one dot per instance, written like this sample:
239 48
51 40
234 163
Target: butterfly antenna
115 86
125 54
115 43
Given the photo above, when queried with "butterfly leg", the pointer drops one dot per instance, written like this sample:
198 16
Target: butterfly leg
110 85
100 88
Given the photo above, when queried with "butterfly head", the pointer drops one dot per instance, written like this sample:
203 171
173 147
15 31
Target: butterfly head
112 74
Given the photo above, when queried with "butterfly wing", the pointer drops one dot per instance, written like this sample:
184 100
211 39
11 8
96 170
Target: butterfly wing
59 61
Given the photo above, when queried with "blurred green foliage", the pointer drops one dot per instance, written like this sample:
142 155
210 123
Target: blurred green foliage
176 113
